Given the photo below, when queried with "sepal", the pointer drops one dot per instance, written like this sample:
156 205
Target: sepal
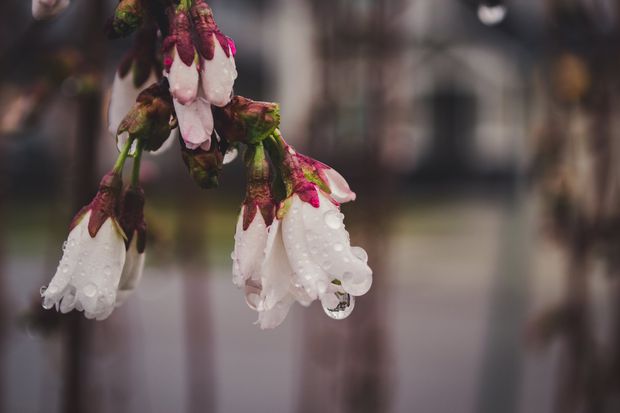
259 196
103 206
204 166
181 38
151 119
204 23
247 121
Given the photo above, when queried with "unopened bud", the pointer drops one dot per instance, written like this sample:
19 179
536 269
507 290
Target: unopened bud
247 121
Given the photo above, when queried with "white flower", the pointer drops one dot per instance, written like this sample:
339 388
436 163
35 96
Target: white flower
132 271
43 9
183 79
319 250
262 268
195 123
89 272
218 76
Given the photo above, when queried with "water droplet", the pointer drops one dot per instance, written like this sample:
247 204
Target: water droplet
360 253
343 309
90 290
107 271
47 304
332 219
64 245
338 247
71 243
327 265
64 268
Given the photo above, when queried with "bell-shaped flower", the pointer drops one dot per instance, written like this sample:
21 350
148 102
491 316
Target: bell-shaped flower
132 222
180 61
89 272
217 64
195 123
44 9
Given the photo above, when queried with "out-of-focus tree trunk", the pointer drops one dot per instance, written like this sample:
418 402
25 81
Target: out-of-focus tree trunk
77 397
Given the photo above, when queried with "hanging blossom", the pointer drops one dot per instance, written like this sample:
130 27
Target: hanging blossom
291 244
103 257
295 249
200 75
44 9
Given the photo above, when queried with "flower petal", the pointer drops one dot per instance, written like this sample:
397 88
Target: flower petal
276 272
341 192
249 249
218 76
328 242
132 271
302 256
122 98
183 80
274 317
195 122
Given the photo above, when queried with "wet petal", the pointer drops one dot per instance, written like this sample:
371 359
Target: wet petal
341 192
195 122
249 251
183 80
132 271
218 76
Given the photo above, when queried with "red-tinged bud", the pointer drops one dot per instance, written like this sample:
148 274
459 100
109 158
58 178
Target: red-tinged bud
206 29
127 17
105 204
151 119
180 38
246 121
259 196
204 166
132 217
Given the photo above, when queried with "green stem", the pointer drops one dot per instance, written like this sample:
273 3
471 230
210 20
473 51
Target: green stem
135 173
122 157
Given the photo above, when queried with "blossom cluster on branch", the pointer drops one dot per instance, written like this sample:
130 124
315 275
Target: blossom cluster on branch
290 244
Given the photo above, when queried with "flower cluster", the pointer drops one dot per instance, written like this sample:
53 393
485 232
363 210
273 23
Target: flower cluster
291 244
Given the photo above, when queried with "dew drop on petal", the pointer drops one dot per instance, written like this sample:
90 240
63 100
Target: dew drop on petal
327 265
360 253
332 219
64 268
338 247
107 271
90 290
343 309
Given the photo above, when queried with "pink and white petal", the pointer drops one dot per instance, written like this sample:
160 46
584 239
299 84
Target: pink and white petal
303 257
341 192
218 76
195 122
329 245
183 80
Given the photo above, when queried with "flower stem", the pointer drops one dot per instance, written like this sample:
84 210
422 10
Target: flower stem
122 157
135 173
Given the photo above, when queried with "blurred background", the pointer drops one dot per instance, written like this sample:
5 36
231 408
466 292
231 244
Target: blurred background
483 140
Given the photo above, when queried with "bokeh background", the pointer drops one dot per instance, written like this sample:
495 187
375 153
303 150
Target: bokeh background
483 140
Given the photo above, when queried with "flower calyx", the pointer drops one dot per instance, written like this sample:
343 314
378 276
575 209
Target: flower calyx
207 30
204 166
132 217
105 204
247 121
259 196
151 119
